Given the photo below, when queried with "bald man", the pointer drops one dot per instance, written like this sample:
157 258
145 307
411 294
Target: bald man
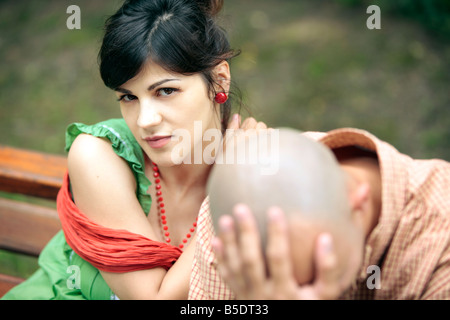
309 186
335 210
311 189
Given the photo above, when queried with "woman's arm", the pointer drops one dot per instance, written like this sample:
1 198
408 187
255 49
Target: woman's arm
155 283
104 188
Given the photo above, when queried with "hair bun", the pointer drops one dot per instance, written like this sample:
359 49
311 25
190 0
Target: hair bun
210 7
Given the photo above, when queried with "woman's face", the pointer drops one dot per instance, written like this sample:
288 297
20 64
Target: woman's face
164 110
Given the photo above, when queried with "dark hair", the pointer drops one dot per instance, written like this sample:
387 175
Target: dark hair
179 35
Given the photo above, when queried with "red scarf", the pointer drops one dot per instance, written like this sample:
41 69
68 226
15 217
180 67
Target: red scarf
108 249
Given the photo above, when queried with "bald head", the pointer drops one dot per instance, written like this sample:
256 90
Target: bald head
308 185
308 181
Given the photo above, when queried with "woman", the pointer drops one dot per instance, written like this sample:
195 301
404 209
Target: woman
167 62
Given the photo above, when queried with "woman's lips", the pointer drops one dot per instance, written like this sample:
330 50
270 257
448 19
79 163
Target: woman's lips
158 141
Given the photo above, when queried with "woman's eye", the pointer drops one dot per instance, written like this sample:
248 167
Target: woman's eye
166 91
127 98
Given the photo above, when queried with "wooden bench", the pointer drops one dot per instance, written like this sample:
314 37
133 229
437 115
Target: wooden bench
26 227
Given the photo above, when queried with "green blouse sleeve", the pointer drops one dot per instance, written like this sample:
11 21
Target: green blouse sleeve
124 144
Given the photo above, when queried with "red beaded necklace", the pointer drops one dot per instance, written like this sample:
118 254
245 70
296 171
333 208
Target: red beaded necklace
162 211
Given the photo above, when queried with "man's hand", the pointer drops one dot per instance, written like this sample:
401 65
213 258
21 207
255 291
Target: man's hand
249 123
241 263
241 130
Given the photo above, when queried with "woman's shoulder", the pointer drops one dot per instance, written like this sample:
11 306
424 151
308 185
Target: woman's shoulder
108 143
91 158
114 130
101 141
87 147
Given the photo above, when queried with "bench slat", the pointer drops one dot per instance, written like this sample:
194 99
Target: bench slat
26 228
31 172
8 282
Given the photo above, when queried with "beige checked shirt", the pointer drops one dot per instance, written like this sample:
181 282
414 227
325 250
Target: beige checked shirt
407 255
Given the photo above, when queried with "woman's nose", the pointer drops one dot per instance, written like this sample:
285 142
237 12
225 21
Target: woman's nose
149 115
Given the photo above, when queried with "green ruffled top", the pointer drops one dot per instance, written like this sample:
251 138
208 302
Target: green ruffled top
124 144
62 274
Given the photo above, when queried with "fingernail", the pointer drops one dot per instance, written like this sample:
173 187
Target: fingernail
236 117
215 243
274 214
327 243
225 223
241 212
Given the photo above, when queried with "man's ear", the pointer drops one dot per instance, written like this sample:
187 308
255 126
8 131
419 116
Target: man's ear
222 76
359 198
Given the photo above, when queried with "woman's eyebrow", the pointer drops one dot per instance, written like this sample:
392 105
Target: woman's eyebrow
157 84
125 91
153 86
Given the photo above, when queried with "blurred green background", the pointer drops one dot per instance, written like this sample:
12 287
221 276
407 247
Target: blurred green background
311 65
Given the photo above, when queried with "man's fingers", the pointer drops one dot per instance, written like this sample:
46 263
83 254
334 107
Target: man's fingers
222 263
249 123
238 252
217 246
279 259
230 246
250 248
261 126
327 276
230 259
235 122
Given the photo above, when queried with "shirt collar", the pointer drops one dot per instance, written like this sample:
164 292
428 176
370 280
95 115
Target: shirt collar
394 183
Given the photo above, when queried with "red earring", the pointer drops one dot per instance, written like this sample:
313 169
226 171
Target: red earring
221 98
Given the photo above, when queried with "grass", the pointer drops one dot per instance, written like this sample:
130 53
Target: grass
317 67
311 65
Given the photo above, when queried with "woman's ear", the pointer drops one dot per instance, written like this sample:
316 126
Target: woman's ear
222 76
